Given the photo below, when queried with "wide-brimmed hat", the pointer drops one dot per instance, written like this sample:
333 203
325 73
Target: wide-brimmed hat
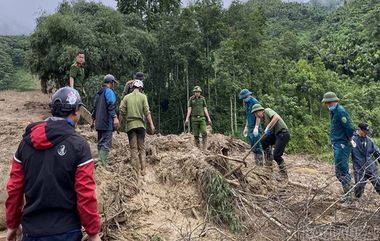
330 97
256 107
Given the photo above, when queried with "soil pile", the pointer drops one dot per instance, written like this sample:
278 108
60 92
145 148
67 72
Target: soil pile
188 194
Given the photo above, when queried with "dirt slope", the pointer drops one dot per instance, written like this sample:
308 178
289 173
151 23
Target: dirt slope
184 195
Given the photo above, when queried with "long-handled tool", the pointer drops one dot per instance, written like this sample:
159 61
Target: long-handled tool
254 145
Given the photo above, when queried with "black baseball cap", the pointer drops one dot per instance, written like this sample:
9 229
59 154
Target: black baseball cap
364 126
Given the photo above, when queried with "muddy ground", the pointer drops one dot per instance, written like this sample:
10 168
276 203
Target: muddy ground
170 202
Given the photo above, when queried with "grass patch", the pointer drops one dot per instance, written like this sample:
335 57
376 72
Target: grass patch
218 193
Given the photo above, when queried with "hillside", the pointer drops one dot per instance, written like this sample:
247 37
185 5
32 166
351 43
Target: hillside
185 196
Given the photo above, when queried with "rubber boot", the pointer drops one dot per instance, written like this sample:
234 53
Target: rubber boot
103 154
204 143
268 159
143 164
259 159
197 141
347 197
283 171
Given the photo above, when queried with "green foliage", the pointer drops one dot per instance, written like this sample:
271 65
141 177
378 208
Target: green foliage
24 80
288 54
218 194
156 238
12 55
109 45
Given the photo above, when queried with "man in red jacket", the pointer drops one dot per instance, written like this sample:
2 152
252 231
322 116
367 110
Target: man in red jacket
53 170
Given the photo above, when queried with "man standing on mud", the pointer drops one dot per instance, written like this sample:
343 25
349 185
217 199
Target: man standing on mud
252 125
104 117
134 107
341 132
52 171
276 133
76 75
197 108
364 152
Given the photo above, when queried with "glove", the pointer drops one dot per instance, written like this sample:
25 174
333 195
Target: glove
353 143
245 132
256 131
267 132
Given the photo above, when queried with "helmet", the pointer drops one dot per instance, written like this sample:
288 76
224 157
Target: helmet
140 76
330 97
197 88
109 78
244 93
256 107
138 84
64 101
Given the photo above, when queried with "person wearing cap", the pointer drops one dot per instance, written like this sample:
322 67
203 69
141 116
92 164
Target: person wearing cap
76 74
341 132
51 188
128 88
197 109
276 133
104 117
252 124
133 108
364 156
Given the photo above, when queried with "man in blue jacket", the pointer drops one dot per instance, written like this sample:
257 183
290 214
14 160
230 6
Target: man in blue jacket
252 124
104 117
364 155
341 132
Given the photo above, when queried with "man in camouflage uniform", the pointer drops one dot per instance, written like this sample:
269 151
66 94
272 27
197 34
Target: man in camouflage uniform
76 75
197 108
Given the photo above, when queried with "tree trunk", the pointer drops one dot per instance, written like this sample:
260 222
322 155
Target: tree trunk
235 114
187 91
232 117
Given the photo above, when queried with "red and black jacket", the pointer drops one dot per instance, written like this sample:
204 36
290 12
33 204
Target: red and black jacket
53 167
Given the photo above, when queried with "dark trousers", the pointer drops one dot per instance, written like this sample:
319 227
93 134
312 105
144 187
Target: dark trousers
279 140
75 235
365 174
104 140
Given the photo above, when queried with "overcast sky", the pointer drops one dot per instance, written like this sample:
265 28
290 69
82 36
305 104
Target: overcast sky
19 16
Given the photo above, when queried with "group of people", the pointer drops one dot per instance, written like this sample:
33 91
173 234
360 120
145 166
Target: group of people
275 134
51 190
345 142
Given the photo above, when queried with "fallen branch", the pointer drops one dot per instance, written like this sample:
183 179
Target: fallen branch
267 215
233 171
233 159
233 182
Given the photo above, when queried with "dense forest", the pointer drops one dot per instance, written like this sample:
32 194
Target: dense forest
287 53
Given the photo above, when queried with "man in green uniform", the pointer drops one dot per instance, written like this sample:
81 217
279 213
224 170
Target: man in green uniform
341 132
134 107
197 108
276 133
76 75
